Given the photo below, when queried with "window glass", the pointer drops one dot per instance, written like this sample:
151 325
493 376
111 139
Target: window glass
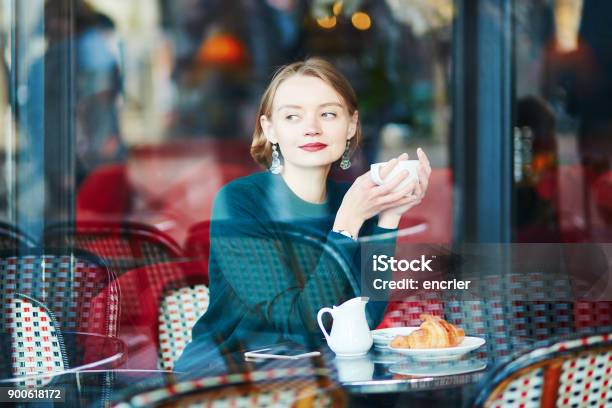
165 106
563 121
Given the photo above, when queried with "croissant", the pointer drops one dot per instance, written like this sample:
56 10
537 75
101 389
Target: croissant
433 333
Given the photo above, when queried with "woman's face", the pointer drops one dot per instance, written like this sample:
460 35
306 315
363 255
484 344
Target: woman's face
310 122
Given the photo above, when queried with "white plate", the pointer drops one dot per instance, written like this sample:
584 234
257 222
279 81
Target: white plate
384 355
441 354
437 369
382 337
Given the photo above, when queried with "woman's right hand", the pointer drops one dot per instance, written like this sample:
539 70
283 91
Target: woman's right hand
365 199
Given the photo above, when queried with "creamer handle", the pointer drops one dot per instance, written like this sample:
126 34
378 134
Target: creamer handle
319 316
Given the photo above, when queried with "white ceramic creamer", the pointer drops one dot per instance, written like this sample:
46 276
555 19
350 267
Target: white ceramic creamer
350 335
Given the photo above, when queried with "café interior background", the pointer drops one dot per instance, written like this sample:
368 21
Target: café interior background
143 109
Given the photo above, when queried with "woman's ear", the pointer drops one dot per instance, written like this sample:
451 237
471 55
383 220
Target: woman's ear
266 126
352 128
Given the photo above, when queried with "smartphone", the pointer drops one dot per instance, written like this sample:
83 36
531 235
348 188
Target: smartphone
281 351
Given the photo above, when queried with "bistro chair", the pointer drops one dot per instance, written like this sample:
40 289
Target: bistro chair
79 292
281 387
197 245
407 311
156 322
592 314
123 245
43 355
30 331
182 306
516 297
67 282
105 192
567 373
300 250
12 238
180 309
588 265
508 325
306 251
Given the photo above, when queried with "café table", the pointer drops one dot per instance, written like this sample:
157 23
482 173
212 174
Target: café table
381 375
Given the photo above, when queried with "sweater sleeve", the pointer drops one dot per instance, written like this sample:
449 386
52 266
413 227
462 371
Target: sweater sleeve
283 280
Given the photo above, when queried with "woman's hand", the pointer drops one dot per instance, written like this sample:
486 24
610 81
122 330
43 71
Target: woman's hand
365 199
390 218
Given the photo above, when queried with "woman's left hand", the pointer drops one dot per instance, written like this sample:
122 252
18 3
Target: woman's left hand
390 218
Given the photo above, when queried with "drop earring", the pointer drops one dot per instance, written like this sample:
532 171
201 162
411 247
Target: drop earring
345 163
276 166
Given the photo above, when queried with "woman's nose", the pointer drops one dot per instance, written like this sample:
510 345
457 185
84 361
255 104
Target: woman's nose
313 127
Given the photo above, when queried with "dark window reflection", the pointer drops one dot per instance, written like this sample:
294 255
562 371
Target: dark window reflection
563 134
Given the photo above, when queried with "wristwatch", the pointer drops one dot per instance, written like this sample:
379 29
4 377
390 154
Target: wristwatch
345 233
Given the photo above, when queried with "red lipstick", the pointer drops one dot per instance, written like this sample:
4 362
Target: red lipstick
313 147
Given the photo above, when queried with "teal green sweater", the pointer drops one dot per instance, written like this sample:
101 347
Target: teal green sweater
265 286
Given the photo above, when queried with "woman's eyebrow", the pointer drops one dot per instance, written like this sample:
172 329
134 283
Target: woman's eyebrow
299 107
331 103
288 107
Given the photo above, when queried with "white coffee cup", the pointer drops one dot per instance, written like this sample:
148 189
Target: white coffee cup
410 165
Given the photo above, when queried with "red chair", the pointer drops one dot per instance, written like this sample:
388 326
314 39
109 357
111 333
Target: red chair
164 185
179 180
197 245
124 245
198 240
104 192
140 319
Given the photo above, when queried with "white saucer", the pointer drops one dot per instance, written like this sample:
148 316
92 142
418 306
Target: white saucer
442 354
386 356
382 337
348 356
437 369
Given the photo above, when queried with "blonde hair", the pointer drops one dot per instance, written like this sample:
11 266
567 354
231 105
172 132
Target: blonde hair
261 149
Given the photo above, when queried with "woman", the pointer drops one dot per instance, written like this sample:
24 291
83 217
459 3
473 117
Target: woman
260 294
